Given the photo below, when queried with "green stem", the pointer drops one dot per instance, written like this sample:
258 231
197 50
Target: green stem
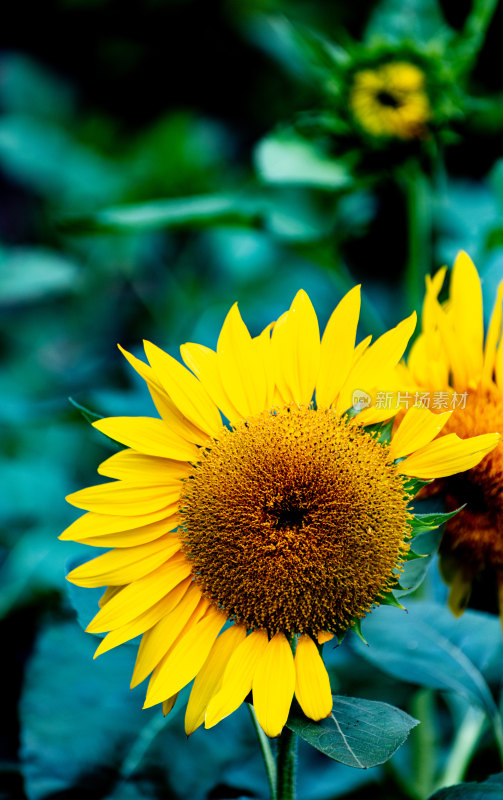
265 747
417 193
423 743
287 753
474 32
463 747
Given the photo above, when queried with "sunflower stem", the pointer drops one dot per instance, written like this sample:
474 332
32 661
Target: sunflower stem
286 763
418 199
474 32
265 747
465 742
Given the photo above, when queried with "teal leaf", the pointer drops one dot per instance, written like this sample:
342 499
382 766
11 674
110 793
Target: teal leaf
359 733
286 158
91 416
429 647
491 788
31 274
84 601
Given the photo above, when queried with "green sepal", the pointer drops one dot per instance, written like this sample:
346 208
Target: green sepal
356 627
382 431
411 555
413 485
422 523
389 599
90 416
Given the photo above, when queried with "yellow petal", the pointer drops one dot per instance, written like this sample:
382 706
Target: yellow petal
493 336
204 364
418 427
147 435
107 595
137 536
124 498
185 659
433 286
128 465
209 679
263 350
296 347
237 678
467 315
118 567
175 420
448 455
498 367
169 704
144 621
337 348
240 366
274 685
312 685
324 636
158 640
451 343
378 359
140 595
188 394
90 525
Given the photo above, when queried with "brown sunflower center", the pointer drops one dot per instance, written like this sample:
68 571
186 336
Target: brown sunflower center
477 531
295 521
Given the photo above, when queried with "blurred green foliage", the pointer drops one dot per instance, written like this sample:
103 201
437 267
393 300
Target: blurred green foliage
158 162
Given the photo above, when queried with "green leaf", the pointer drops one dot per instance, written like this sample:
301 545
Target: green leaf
491 788
91 416
30 274
285 158
382 431
430 521
180 212
429 647
413 485
359 733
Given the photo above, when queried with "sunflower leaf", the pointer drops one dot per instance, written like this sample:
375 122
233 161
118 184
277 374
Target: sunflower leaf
90 416
430 521
413 485
359 733
492 787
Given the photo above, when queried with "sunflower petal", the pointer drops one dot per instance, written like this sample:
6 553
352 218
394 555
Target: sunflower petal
204 364
209 679
147 435
274 685
158 640
467 315
448 455
237 678
296 347
312 685
493 336
240 366
140 595
128 465
124 498
90 525
185 659
337 348
418 427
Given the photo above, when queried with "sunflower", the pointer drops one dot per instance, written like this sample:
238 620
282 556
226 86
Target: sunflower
250 522
390 100
458 371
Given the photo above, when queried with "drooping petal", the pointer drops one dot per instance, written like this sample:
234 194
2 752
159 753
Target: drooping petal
185 659
188 394
118 567
147 435
124 498
158 640
274 685
312 685
209 679
493 337
140 595
448 455
337 348
128 465
240 366
237 678
144 621
418 427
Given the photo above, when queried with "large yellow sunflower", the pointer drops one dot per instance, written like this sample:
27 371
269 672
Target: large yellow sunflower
459 372
255 519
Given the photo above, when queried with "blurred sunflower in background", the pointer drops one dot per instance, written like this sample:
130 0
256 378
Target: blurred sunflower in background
391 100
451 359
255 519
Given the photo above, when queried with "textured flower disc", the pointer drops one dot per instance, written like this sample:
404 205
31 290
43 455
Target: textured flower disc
390 100
476 533
295 522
